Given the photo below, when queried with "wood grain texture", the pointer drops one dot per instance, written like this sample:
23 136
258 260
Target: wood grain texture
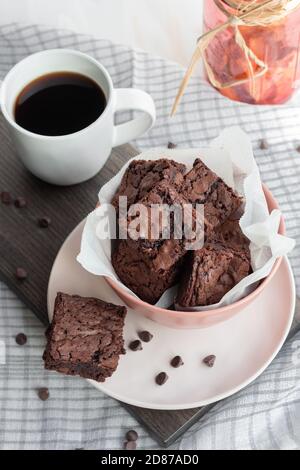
167 426
24 244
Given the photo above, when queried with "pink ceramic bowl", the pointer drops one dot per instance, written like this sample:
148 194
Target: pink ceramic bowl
205 318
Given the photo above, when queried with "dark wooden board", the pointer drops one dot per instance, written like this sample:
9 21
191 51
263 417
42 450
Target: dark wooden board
167 426
24 244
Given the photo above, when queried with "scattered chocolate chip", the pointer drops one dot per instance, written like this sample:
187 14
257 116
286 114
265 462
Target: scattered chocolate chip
130 445
21 274
44 222
5 197
136 345
209 360
263 144
21 339
145 336
161 378
20 202
132 435
171 145
176 362
298 149
43 393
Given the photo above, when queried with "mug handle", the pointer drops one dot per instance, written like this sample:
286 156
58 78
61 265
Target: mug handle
129 99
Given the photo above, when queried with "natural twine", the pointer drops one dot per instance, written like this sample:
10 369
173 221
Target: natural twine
249 13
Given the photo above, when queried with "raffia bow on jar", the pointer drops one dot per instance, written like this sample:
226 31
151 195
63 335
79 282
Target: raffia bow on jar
247 19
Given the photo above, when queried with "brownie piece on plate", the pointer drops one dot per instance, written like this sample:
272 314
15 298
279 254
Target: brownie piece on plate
203 186
85 337
148 270
142 175
210 273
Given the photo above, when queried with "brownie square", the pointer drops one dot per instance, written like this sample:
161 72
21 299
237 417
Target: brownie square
85 337
150 263
163 196
203 186
231 235
142 175
210 273
168 224
148 271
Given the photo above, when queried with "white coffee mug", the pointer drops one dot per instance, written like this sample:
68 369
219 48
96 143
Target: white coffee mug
73 158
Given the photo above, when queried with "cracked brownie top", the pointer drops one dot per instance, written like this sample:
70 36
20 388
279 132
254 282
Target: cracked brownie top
210 273
85 337
203 186
142 175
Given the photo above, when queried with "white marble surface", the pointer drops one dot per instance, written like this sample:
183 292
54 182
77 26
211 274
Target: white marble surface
168 28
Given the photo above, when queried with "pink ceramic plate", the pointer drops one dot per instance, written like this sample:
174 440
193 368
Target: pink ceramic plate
244 345
205 318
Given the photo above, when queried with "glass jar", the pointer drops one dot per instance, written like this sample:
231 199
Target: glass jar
276 45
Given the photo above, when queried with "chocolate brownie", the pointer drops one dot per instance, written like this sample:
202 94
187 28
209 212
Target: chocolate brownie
231 235
150 263
148 273
174 217
85 337
203 186
161 224
210 273
142 175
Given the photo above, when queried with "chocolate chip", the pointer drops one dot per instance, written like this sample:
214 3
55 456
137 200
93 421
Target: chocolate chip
145 336
21 339
130 445
132 435
210 360
176 362
298 149
136 345
20 202
21 274
161 378
263 144
44 222
43 393
171 145
5 197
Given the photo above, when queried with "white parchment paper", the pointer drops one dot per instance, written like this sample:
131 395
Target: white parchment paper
231 157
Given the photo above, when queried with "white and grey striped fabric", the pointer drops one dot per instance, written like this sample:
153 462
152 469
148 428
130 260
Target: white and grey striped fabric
266 415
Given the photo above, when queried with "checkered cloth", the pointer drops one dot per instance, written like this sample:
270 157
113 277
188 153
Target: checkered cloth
265 415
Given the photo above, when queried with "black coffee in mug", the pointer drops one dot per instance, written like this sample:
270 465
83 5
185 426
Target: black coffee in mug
59 103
